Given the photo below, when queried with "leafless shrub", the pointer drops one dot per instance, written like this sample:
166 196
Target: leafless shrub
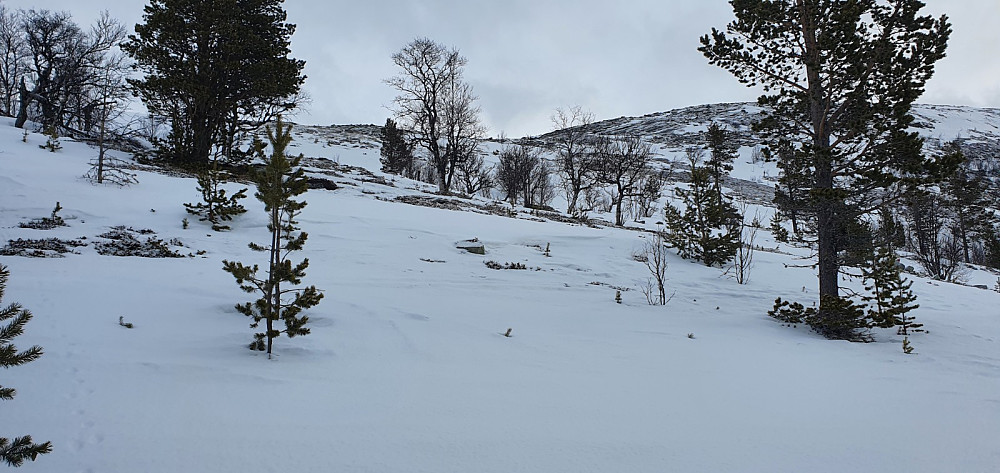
654 256
743 261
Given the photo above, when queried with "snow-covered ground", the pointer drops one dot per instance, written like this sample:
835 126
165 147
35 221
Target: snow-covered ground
407 370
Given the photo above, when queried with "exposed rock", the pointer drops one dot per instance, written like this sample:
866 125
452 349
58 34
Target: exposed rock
472 246
321 183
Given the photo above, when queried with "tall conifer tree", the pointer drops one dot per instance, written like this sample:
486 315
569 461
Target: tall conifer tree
214 69
839 78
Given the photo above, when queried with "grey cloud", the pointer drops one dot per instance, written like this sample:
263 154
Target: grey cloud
527 57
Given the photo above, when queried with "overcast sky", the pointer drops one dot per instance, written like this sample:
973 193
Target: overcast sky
527 57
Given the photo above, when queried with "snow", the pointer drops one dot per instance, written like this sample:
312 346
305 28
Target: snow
406 369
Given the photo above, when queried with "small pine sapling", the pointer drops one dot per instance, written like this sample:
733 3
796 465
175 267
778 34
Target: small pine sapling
185 223
907 348
618 297
15 452
216 207
277 184
123 323
46 223
779 232
507 333
547 252
52 143
889 294
55 213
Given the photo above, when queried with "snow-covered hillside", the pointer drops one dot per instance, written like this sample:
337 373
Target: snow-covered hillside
407 368
978 128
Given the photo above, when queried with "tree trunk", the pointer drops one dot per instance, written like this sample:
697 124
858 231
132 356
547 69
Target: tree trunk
23 104
274 299
824 192
100 151
572 197
618 207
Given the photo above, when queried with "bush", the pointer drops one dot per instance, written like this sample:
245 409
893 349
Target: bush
44 248
840 318
123 242
494 265
46 223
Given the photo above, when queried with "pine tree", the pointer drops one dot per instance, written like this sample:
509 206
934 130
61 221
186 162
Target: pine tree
214 69
216 207
15 452
907 348
707 230
993 250
52 139
397 153
779 232
966 198
889 296
890 231
850 323
839 80
277 184
722 152
791 193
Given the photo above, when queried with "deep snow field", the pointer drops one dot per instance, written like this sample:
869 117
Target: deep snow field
407 370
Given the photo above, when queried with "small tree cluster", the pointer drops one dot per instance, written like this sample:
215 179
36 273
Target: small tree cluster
474 176
968 204
57 74
575 161
643 203
622 163
708 229
937 250
397 151
438 105
522 173
15 452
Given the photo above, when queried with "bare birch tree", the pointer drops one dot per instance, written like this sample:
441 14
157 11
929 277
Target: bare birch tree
437 104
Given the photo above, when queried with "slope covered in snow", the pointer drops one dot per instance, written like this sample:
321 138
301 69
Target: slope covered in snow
407 370
978 128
